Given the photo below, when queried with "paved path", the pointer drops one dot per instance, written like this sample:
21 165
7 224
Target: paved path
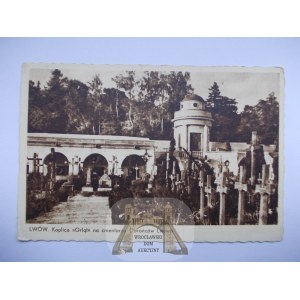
78 210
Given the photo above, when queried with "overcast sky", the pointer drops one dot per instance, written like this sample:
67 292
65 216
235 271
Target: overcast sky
245 87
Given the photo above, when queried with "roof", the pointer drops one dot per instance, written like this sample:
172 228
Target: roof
193 97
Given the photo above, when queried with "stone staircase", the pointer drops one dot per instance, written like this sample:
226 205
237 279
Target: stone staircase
78 210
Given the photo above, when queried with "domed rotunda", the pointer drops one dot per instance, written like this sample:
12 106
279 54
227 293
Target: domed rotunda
192 124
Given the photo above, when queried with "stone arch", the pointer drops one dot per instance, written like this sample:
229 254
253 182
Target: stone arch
96 164
60 161
129 165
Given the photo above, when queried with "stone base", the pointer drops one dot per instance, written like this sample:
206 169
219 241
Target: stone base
104 189
87 189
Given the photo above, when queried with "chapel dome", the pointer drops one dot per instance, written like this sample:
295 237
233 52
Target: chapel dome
192 101
193 97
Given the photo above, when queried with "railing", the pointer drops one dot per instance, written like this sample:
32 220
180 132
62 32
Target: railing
191 154
197 154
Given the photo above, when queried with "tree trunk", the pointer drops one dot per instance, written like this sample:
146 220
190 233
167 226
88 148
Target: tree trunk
129 115
162 114
117 109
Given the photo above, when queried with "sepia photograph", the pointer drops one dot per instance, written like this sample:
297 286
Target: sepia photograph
129 145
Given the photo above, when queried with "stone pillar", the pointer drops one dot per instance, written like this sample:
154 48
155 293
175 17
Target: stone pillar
76 166
263 209
167 168
222 189
209 191
254 142
187 138
116 166
265 174
136 172
253 162
45 170
222 209
201 185
254 139
41 169
71 167
241 208
89 176
242 188
264 198
264 189
205 139
174 167
53 166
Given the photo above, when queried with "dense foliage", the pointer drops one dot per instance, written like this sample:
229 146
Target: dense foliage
141 107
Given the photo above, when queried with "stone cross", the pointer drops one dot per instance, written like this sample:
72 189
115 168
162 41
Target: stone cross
136 171
254 146
167 169
264 189
89 176
208 191
241 186
174 168
114 162
75 165
223 190
201 185
72 164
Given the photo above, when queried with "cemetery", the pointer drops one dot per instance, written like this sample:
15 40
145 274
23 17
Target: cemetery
228 183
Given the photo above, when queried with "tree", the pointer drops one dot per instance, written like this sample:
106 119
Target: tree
36 117
76 107
113 99
263 118
94 103
56 90
178 89
154 88
128 84
224 113
53 110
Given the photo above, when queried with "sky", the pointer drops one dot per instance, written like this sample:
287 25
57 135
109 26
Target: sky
246 87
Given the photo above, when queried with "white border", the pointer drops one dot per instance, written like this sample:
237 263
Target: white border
115 18
227 233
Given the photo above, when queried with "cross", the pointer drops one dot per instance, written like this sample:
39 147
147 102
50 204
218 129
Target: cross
114 162
201 178
241 185
263 187
265 190
259 179
167 169
220 165
136 171
36 162
73 163
80 164
222 187
208 190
